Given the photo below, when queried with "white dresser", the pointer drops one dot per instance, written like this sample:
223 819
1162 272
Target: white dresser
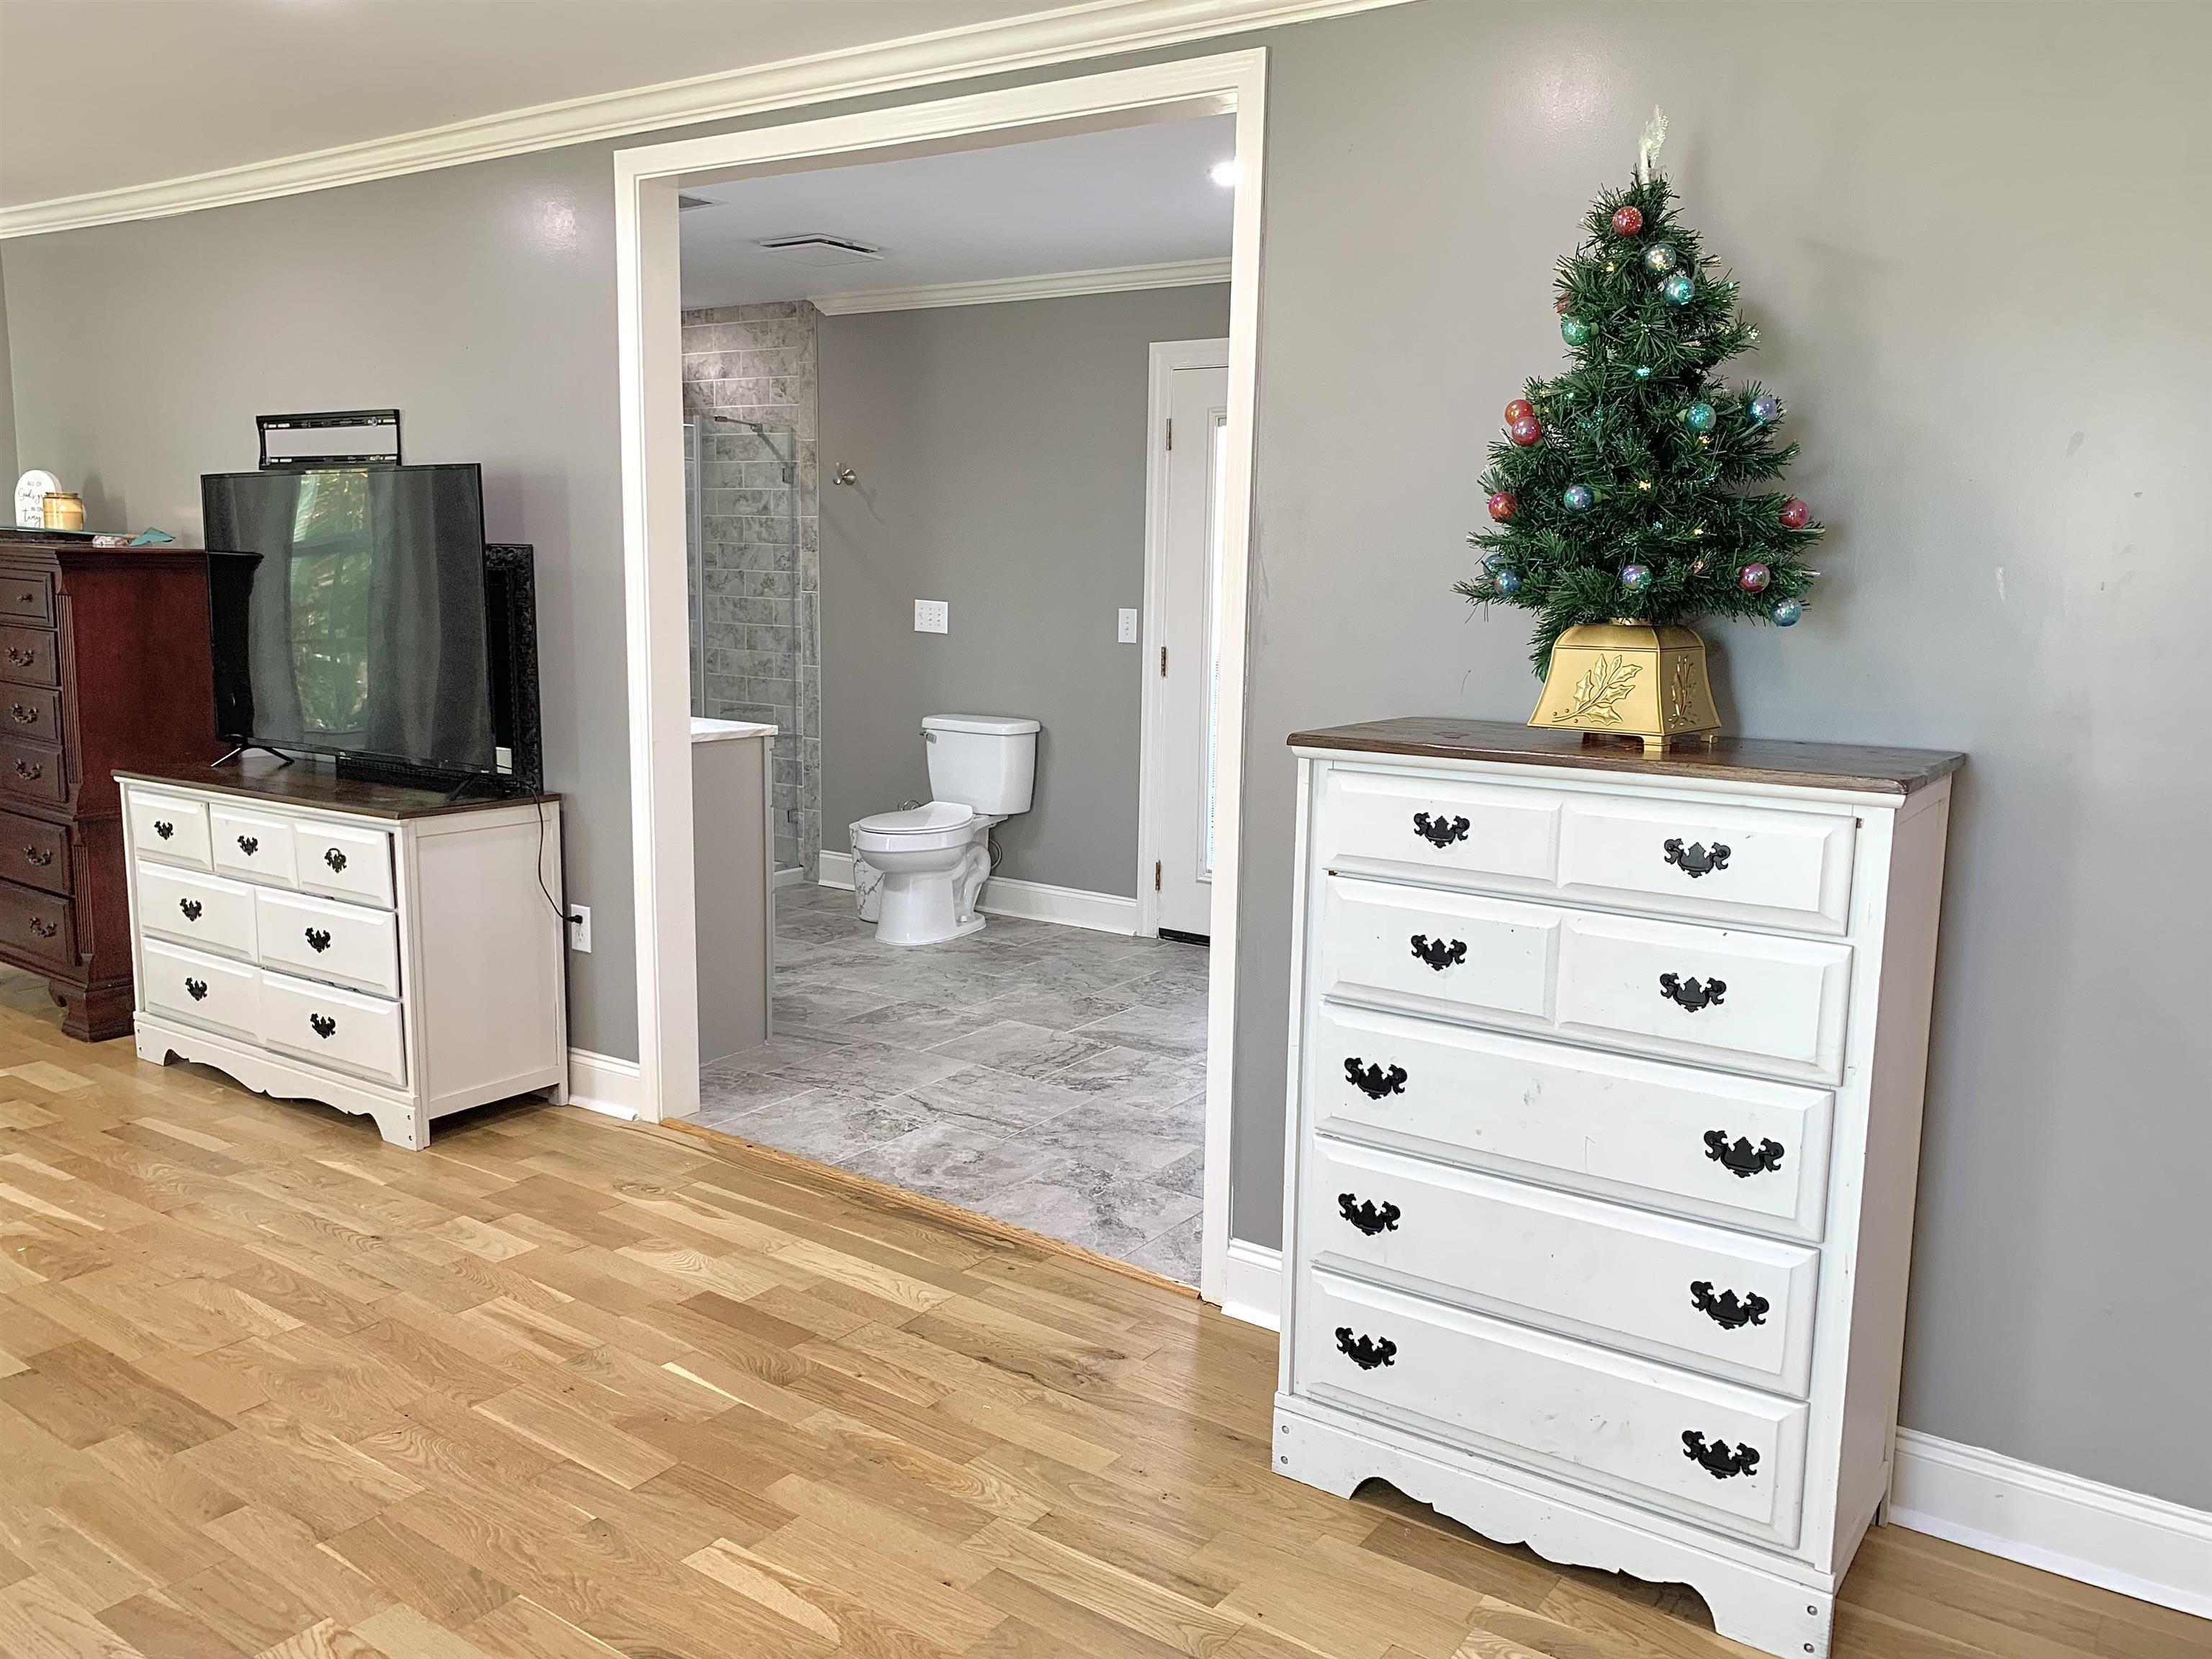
1604 1126
382 950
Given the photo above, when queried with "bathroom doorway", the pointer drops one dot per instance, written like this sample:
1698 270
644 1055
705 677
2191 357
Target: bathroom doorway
962 535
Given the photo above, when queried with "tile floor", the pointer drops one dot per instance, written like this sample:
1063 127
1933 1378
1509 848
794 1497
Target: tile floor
1048 1075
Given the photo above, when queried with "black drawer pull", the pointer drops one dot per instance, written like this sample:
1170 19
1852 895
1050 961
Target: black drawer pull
1717 1459
1374 1082
335 858
21 657
41 856
1724 1310
318 940
1439 955
1689 994
1696 860
1439 831
1741 1158
322 1025
1367 1352
249 845
1366 1215
22 713
191 908
29 770
164 828
43 928
195 988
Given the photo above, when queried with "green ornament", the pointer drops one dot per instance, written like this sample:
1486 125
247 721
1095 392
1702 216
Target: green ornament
1644 371
1574 330
1699 416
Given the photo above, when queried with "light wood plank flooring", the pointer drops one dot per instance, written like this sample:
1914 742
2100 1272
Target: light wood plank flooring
561 1389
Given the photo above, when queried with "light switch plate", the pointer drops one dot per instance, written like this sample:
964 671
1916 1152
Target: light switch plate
1128 634
932 616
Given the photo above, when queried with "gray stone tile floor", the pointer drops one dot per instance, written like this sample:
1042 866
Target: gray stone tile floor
1047 1076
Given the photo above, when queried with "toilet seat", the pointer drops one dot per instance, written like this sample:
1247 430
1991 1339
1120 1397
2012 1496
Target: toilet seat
940 824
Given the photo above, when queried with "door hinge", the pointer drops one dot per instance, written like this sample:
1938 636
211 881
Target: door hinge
1155 875
1164 662
1170 443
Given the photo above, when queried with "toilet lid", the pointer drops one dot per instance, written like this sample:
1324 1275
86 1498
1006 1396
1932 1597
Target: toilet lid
939 815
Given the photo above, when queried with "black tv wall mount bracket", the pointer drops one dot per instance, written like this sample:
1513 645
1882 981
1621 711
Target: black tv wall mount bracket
339 437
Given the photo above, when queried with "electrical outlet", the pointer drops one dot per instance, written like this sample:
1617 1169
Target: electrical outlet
932 616
579 928
1128 633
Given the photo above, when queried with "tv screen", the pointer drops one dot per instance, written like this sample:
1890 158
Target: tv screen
351 618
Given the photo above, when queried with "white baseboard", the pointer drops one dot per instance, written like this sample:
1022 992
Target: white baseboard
1252 1284
605 1083
2120 1540
1034 901
789 878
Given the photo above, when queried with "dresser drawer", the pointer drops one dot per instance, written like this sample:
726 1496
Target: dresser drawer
33 771
342 1030
34 712
1722 1455
1450 951
168 828
1393 822
250 845
1741 864
34 853
345 944
344 861
203 990
1723 1303
29 656
204 911
1733 1149
27 596
41 927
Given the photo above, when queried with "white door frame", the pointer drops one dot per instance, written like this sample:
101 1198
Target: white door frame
1167 356
649 344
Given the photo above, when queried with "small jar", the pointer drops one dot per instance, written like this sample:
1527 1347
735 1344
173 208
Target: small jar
64 511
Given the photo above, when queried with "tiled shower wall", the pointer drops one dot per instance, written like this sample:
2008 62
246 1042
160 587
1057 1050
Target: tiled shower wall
762 564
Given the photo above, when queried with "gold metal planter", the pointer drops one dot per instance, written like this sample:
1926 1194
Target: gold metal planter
1628 680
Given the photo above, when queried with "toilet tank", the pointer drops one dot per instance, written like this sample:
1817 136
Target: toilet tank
988 762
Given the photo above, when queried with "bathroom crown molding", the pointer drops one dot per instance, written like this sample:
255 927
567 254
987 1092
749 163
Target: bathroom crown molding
1095 28
1052 285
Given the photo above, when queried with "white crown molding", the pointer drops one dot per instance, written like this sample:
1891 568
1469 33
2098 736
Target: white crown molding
1095 28
1053 285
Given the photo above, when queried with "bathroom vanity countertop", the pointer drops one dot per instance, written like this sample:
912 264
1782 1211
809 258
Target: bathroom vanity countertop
706 731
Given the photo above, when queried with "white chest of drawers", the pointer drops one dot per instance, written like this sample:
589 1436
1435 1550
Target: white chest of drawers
383 950
1604 1129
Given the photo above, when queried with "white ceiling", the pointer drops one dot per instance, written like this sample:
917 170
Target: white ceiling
102 93
1132 196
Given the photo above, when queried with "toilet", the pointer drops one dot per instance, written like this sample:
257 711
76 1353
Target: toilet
918 872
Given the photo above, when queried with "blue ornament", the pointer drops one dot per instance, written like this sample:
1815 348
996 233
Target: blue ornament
1573 330
1677 289
1493 562
1576 499
1635 577
1644 371
1659 259
1786 612
1700 416
1764 408
1508 582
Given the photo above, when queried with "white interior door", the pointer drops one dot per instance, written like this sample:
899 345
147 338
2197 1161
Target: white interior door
1183 575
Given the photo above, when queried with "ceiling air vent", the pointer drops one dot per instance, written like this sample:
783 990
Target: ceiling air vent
820 249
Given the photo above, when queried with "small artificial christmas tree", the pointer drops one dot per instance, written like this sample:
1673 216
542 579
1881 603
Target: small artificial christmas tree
1617 493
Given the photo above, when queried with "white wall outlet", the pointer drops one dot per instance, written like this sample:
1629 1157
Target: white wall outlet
932 616
1128 635
579 928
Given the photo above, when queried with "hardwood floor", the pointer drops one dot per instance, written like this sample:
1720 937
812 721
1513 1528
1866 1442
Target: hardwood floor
560 1388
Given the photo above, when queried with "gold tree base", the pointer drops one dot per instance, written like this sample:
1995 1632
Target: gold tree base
1628 680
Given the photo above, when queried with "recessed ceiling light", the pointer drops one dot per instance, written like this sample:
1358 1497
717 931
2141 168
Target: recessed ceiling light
1224 173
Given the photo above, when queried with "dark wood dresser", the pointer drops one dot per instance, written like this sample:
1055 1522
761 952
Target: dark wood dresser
103 663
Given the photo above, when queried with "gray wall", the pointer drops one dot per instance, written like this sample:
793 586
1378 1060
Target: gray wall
7 411
1000 450
1974 238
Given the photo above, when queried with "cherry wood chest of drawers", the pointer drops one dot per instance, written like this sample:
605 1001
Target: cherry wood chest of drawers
1604 1126
103 663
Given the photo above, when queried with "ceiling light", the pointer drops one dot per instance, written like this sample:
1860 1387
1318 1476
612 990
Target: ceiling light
1224 173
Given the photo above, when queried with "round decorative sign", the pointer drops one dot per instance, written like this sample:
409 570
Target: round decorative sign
31 492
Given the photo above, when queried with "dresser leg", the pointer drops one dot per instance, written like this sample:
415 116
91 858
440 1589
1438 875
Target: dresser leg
94 1016
1776 1618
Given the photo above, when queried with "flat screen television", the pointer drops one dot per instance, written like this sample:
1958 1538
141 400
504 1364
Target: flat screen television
356 612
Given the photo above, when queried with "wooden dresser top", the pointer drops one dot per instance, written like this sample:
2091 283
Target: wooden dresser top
1729 760
256 777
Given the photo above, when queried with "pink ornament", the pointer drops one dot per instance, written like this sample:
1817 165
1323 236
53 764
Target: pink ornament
1525 431
1795 514
1627 221
1754 578
1502 505
1519 410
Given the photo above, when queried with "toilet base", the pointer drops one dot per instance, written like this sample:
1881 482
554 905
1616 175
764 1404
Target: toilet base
928 898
